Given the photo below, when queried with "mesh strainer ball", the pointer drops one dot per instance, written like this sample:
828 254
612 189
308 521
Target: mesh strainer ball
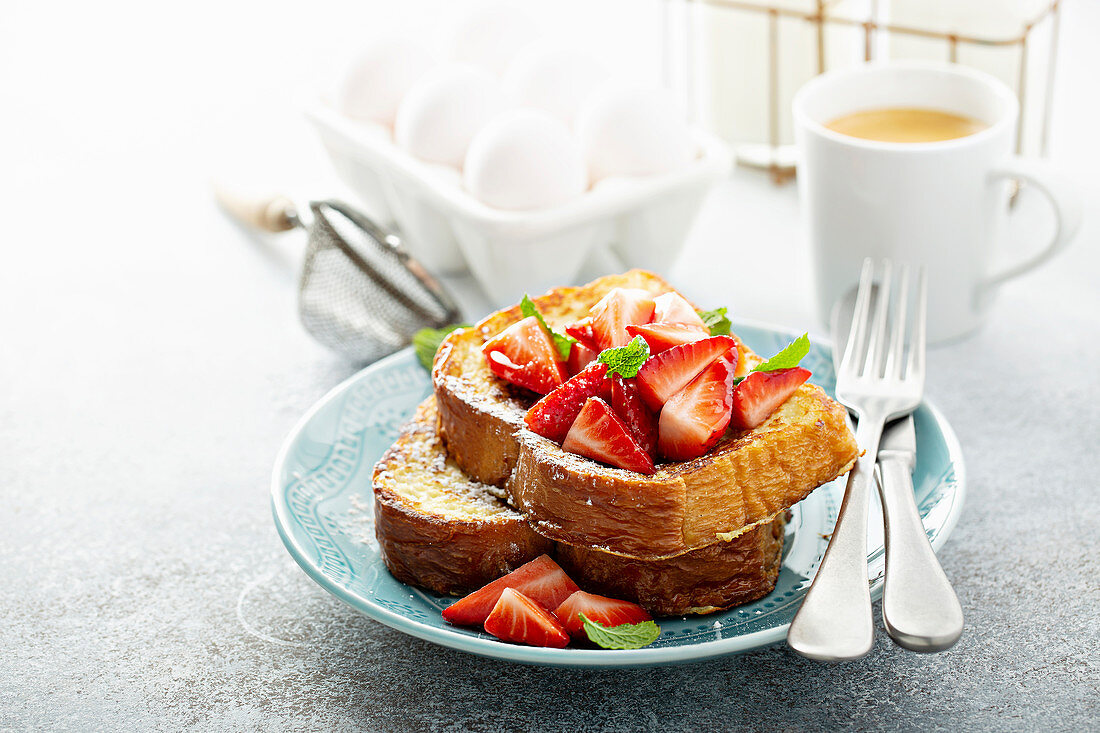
360 293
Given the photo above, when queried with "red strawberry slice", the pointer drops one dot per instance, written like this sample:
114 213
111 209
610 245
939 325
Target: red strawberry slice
601 609
542 580
630 408
524 355
580 356
663 336
553 415
761 393
515 617
673 308
599 434
694 418
582 331
620 308
670 371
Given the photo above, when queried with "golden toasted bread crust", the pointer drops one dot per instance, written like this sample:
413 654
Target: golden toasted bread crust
443 531
436 528
713 578
480 414
745 481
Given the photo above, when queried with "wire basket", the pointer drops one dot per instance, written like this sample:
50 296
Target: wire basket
738 63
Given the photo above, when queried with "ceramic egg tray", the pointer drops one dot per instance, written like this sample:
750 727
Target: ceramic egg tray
643 220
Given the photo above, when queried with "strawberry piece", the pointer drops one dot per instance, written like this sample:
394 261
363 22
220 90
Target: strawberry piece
670 371
583 332
553 415
663 336
761 393
580 356
541 580
630 408
618 309
601 609
694 418
599 434
524 355
673 308
515 617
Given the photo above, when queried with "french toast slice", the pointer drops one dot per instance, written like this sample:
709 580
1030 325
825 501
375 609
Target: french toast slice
438 529
709 579
745 481
441 530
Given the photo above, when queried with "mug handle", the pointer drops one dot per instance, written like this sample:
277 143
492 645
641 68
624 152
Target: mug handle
1065 201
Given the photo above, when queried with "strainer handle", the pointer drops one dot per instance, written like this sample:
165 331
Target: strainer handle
453 314
272 213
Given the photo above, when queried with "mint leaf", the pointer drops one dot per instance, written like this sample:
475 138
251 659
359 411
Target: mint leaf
716 321
625 360
626 636
789 357
562 342
426 342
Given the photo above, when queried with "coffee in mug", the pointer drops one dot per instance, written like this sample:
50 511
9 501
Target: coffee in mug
937 198
906 125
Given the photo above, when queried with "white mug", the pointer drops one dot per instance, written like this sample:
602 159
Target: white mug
940 204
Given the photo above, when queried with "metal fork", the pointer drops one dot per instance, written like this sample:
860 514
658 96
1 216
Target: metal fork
878 383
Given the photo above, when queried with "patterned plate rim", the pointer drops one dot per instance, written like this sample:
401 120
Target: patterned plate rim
592 658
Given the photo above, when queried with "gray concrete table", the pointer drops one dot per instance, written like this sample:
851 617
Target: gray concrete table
151 363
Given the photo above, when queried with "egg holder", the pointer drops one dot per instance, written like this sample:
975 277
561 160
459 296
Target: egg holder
644 220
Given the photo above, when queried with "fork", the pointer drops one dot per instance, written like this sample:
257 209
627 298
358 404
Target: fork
877 382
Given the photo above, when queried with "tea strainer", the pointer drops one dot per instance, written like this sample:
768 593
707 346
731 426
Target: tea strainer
360 292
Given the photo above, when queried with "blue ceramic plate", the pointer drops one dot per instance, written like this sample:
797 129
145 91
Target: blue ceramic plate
321 498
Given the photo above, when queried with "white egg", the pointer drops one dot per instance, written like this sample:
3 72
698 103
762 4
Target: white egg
633 132
491 35
444 110
525 159
379 78
553 79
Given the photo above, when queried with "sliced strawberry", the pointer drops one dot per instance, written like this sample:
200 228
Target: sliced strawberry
524 355
663 336
620 308
553 415
694 418
670 371
515 617
582 331
672 308
541 580
580 356
761 393
599 434
601 609
630 408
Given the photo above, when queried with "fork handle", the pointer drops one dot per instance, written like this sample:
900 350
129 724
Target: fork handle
919 607
834 622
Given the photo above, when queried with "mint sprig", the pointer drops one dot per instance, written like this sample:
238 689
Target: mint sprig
789 356
625 360
625 636
562 342
426 342
716 321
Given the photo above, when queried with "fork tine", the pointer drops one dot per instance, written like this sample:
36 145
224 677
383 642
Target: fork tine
854 350
876 346
915 369
892 370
